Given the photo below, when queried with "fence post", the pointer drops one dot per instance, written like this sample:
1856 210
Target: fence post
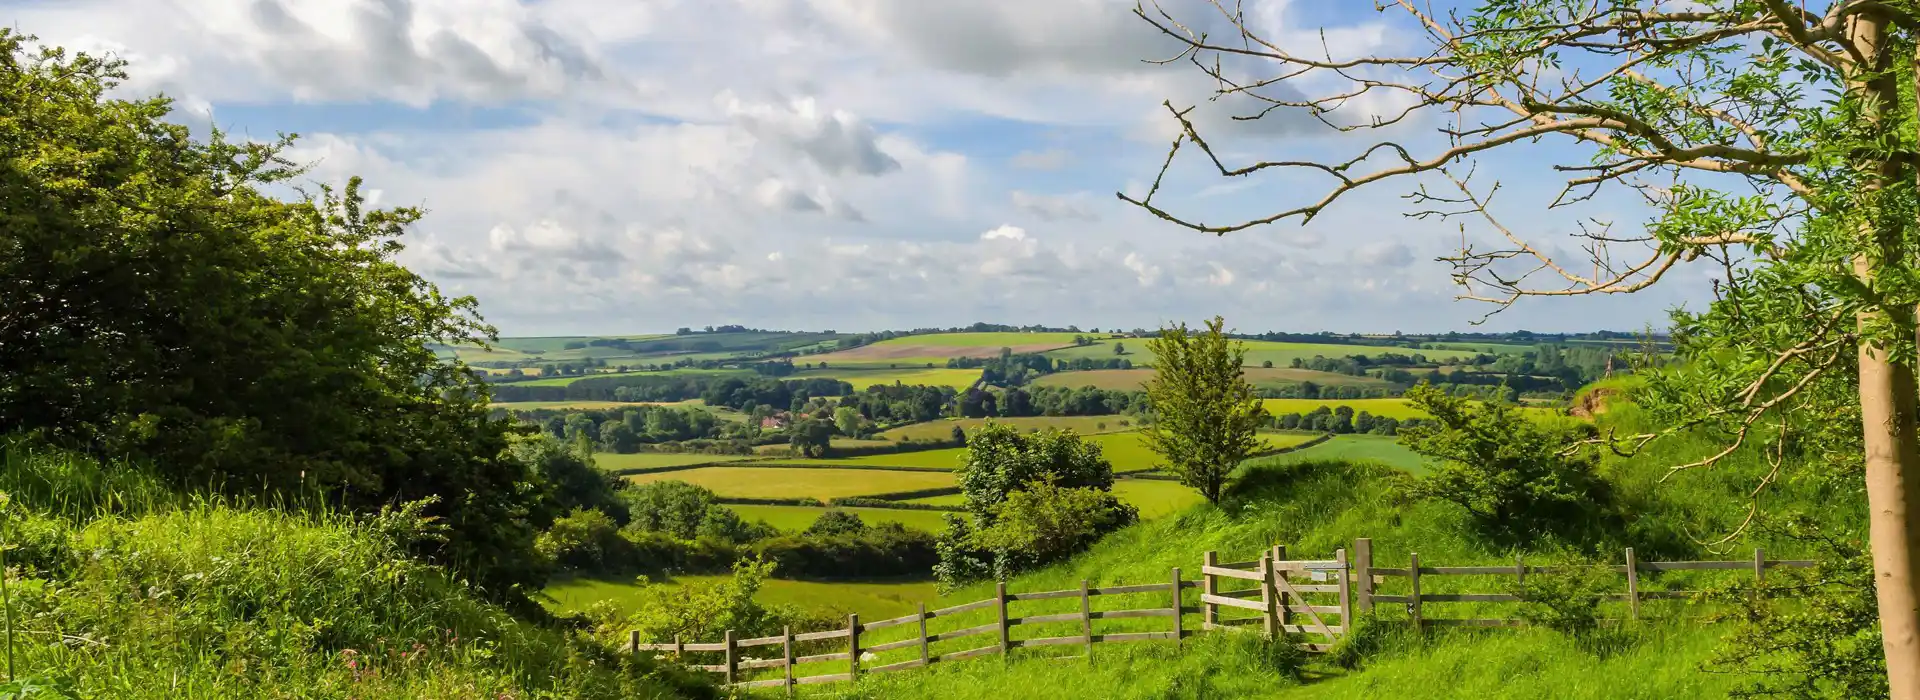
924 658
1363 570
1413 573
1267 597
1280 600
786 646
1177 635
1520 570
1759 564
1086 618
1346 599
633 641
1209 615
853 647
1633 586
678 648
733 662
1000 599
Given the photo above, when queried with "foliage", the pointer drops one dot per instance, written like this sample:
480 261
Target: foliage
676 508
570 475
160 304
999 460
701 612
883 550
1505 470
836 522
1205 411
1044 523
1808 633
582 540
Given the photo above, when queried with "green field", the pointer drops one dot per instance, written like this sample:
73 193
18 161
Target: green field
1156 498
822 484
943 429
871 599
654 460
1136 379
863 378
937 348
565 381
1258 351
563 405
1385 449
1389 408
952 499
1125 450
797 518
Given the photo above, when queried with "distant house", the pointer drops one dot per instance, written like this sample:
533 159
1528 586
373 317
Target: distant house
777 421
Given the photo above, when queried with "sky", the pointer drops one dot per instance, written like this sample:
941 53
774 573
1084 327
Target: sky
633 166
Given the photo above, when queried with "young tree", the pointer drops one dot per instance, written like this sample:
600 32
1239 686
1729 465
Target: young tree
1205 412
1805 108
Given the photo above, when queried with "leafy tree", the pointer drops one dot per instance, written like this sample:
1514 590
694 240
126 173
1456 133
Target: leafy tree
1000 460
1205 412
676 508
959 435
1119 348
1775 139
159 303
1507 471
846 419
570 476
1044 523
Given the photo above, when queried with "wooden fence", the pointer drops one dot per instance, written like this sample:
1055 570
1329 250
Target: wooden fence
1368 578
1271 595
1000 643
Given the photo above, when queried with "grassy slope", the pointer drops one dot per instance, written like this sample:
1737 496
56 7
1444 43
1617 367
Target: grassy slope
1358 448
1317 507
164 596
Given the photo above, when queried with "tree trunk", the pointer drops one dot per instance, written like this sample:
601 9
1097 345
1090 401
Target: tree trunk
1887 402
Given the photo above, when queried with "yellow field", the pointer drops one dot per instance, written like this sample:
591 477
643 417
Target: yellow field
863 378
943 429
797 518
822 484
1390 408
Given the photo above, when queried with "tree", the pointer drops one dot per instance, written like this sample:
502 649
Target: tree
160 304
846 419
1775 139
999 460
1119 348
1205 411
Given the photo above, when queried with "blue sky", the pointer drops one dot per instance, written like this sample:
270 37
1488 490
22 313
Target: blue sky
623 167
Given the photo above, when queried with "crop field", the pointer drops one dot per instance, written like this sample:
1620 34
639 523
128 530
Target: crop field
654 460
943 429
1125 450
821 483
871 599
863 378
797 518
937 348
1136 379
1379 448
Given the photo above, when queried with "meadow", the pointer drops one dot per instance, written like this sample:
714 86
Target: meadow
791 482
1399 409
1261 377
797 518
568 380
655 460
1258 351
1384 449
871 599
937 348
943 429
1125 450
863 378
1156 498
562 405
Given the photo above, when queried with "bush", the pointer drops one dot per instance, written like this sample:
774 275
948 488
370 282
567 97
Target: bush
676 508
1044 523
585 540
1000 460
888 549
836 522
1506 470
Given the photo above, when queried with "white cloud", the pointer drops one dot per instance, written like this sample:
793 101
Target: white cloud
1053 207
836 140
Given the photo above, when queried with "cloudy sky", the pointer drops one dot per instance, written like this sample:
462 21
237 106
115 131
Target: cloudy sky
627 166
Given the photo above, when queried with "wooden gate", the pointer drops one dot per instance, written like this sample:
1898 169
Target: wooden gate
1307 597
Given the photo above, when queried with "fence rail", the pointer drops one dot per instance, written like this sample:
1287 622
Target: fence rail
1315 599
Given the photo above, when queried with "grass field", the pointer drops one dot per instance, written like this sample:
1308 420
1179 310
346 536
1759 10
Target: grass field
1385 449
562 405
1156 498
863 378
943 429
797 518
1136 379
823 484
653 460
1258 351
952 499
871 599
937 348
1125 450
1390 408
565 381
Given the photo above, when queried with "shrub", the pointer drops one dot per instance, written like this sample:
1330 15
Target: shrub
1000 460
584 540
1507 471
888 549
836 522
673 507
1044 523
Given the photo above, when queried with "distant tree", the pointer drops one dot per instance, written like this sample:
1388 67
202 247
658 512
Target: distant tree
836 522
683 331
1119 348
959 435
1268 364
847 420
1205 411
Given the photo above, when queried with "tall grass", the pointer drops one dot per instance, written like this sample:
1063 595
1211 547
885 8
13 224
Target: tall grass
123 588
